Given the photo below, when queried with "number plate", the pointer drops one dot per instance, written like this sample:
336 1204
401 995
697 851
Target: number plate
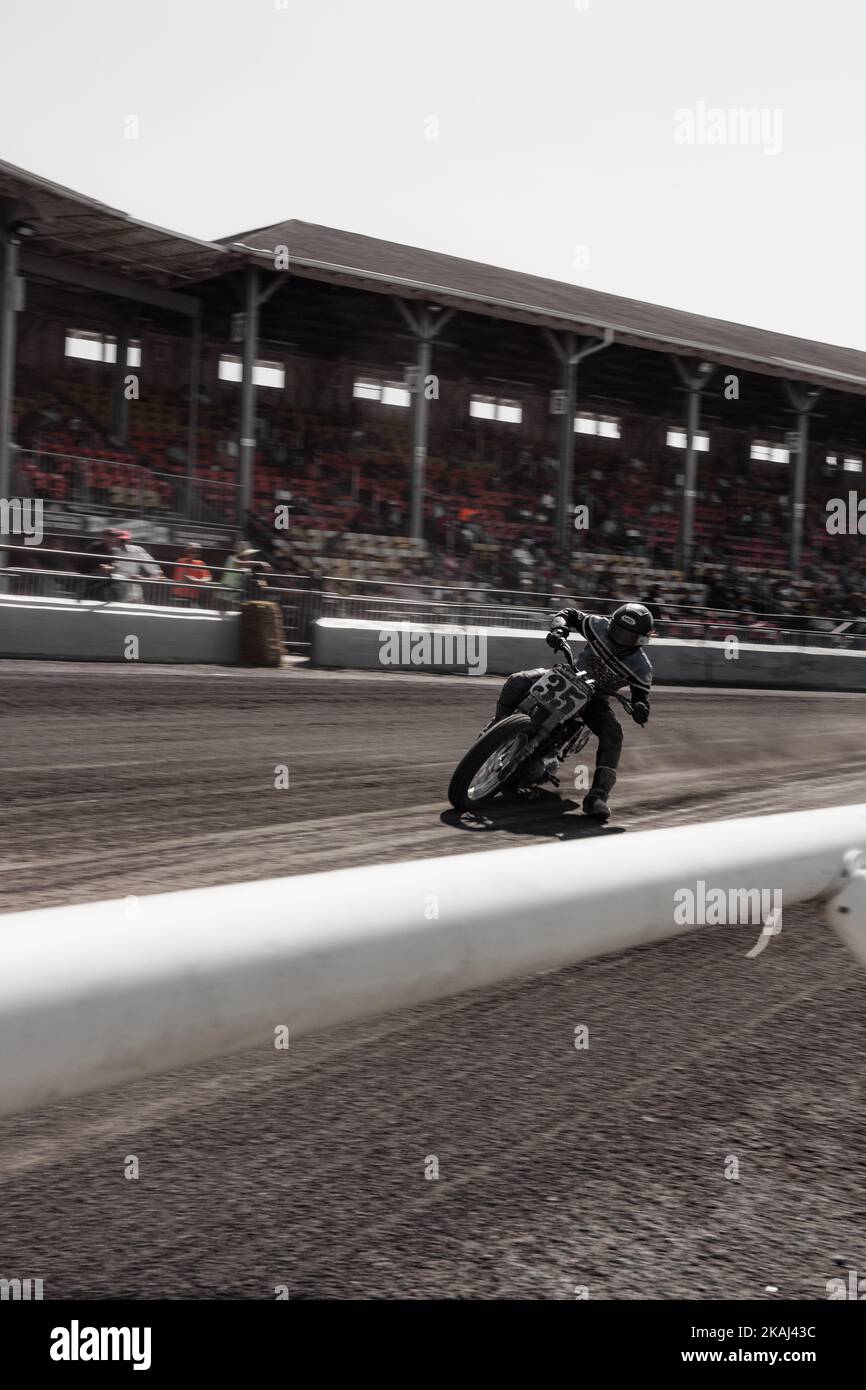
560 692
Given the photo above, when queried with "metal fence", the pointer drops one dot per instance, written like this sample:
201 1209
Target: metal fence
681 621
72 574
536 600
68 584
134 488
75 575
300 608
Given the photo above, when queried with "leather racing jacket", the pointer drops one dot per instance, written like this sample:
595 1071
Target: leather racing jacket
612 665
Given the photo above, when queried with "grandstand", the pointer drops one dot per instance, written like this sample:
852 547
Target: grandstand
427 421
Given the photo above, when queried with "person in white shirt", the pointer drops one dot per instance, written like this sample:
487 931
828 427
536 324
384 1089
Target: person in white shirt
131 561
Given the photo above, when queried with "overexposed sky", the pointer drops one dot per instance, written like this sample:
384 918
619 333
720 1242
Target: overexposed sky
595 141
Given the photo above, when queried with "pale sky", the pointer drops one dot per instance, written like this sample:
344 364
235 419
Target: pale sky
555 128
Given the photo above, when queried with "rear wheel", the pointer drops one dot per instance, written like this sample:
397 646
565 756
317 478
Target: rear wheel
490 763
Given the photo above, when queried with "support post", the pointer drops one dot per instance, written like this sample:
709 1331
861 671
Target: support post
425 329
803 402
119 403
694 382
419 437
570 352
565 477
192 409
247 440
690 481
9 307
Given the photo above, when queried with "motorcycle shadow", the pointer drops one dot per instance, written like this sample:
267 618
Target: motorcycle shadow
546 814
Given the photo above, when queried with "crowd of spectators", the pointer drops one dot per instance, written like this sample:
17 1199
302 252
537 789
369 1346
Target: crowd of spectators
116 567
489 509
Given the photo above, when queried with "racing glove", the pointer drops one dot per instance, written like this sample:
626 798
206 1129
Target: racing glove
557 638
640 711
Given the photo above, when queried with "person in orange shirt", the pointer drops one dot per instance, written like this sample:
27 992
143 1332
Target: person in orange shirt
190 567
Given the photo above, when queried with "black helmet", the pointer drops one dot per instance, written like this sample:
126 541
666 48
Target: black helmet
631 625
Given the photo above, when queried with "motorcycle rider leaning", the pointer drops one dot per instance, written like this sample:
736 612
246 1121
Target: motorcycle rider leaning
615 657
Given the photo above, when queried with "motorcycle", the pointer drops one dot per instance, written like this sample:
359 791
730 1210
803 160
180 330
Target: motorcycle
527 747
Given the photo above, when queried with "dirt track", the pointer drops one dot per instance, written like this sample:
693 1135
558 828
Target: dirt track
137 780
558 1168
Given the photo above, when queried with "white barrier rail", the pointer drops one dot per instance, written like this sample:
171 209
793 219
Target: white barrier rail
64 629
104 993
357 644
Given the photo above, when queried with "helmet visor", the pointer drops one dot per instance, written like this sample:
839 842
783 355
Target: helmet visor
627 637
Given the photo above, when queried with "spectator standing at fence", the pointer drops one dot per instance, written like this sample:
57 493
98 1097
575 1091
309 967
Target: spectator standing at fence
257 569
103 548
242 570
234 572
191 574
131 562
98 563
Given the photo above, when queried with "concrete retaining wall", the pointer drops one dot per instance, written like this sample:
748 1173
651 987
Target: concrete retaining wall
107 992
345 642
64 629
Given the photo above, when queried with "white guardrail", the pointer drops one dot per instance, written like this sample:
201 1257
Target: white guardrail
385 646
104 993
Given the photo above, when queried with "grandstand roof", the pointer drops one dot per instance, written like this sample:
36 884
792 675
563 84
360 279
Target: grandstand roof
76 230
366 262
79 229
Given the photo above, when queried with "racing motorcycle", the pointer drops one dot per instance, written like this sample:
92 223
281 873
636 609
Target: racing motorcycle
526 748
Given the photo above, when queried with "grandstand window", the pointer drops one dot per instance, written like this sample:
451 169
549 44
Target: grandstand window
99 347
678 439
395 394
269 374
847 464
366 388
507 412
133 353
765 451
606 426
231 369
264 373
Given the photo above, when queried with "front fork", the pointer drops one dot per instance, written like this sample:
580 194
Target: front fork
541 745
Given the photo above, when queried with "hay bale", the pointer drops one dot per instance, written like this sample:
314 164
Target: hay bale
261 634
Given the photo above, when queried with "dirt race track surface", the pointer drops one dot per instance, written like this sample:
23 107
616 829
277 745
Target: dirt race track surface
558 1168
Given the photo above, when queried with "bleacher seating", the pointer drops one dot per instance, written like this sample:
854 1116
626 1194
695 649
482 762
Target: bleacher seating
488 512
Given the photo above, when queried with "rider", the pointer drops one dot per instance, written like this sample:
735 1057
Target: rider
614 656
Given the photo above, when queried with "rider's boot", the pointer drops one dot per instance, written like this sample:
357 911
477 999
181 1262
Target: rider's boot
595 801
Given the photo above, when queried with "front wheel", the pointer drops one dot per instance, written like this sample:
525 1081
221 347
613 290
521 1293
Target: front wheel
490 763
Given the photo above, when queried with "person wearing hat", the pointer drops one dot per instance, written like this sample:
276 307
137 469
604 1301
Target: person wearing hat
190 567
130 562
242 569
